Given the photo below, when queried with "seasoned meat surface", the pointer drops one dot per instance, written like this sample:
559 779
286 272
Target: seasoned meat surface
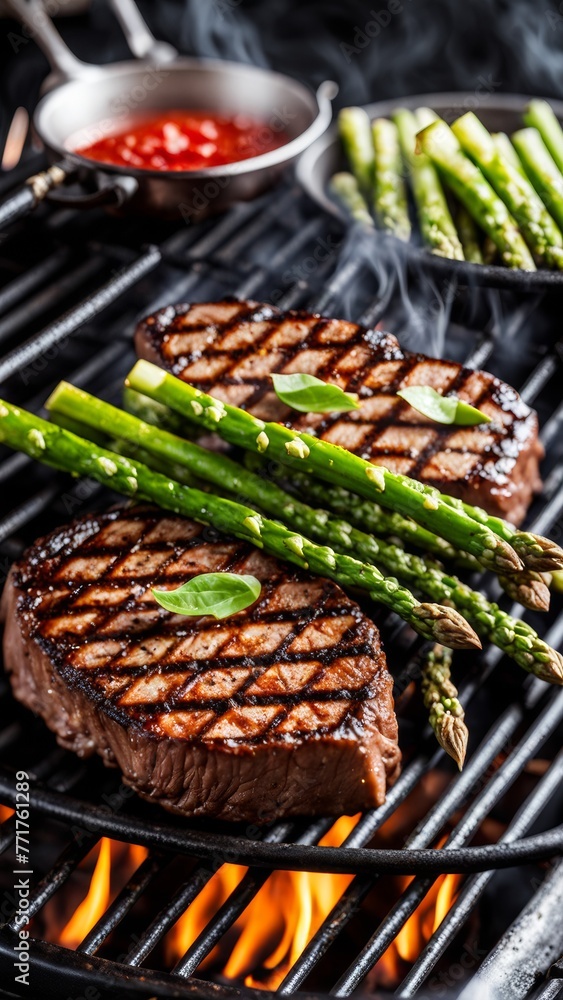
231 348
285 708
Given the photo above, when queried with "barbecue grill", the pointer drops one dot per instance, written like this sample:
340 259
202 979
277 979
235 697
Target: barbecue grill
73 287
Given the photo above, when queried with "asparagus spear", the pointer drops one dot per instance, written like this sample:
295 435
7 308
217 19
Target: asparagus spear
346 189
434 218
540 115
539 230
512 636
355 132
389 196
468 236
425 116
64 450
446 712
542 170
538 553
473 190
329 462
506 150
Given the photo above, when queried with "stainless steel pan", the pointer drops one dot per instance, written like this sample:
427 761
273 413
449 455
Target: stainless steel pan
500 113
92 100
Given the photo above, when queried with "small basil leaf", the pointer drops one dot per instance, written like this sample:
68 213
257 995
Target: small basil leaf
310 394
442 409
217 594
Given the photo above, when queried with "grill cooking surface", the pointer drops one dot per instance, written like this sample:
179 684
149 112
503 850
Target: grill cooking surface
74 288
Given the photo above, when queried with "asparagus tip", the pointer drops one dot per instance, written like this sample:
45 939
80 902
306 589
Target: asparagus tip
539 553
452 735
503 557
553 669
447 626
527 588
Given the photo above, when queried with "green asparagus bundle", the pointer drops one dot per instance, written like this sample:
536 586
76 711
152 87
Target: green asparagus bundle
527 587
64 450
540 115
538 228
434 217
515 638
389 192
542 170
363 514
543 554
440 697
473 190
354 127
302 451
346 189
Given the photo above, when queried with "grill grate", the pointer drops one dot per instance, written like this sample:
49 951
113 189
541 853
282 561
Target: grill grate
95 277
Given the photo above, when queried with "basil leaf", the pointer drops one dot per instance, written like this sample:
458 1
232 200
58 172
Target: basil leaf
310 394
442 409
217 594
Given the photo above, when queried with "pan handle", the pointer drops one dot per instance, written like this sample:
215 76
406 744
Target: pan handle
140 39
114 192
33 16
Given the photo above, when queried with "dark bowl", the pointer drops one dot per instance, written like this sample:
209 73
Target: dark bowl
499 113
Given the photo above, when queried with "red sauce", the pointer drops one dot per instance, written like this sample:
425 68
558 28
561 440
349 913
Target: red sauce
184 140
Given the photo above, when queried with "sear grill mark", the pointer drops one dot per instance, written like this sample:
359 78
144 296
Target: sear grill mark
230 349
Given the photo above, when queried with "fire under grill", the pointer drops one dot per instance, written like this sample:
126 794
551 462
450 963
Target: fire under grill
454 883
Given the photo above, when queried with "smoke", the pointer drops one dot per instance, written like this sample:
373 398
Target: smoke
378 280
378 48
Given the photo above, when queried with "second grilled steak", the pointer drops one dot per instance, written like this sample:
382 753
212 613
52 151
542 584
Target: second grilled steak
231 348
285 708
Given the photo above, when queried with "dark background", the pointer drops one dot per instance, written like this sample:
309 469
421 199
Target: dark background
378 49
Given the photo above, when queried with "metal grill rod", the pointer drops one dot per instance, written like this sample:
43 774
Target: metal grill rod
475 886
509 770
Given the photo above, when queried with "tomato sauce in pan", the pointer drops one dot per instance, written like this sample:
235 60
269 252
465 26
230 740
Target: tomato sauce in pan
184 140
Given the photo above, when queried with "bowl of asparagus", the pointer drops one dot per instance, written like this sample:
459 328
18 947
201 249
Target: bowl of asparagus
475 192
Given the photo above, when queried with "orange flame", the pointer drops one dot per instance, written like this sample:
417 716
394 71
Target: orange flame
418 929
100 894
287 911
278 923
276 926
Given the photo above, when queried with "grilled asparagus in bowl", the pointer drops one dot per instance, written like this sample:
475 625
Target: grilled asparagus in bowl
462 192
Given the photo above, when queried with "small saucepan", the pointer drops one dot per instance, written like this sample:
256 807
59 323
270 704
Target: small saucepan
91 101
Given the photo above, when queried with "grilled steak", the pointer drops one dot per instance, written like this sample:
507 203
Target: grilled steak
285 708
230 349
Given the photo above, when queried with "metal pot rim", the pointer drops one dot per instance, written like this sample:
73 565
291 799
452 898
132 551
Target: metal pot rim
283 154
